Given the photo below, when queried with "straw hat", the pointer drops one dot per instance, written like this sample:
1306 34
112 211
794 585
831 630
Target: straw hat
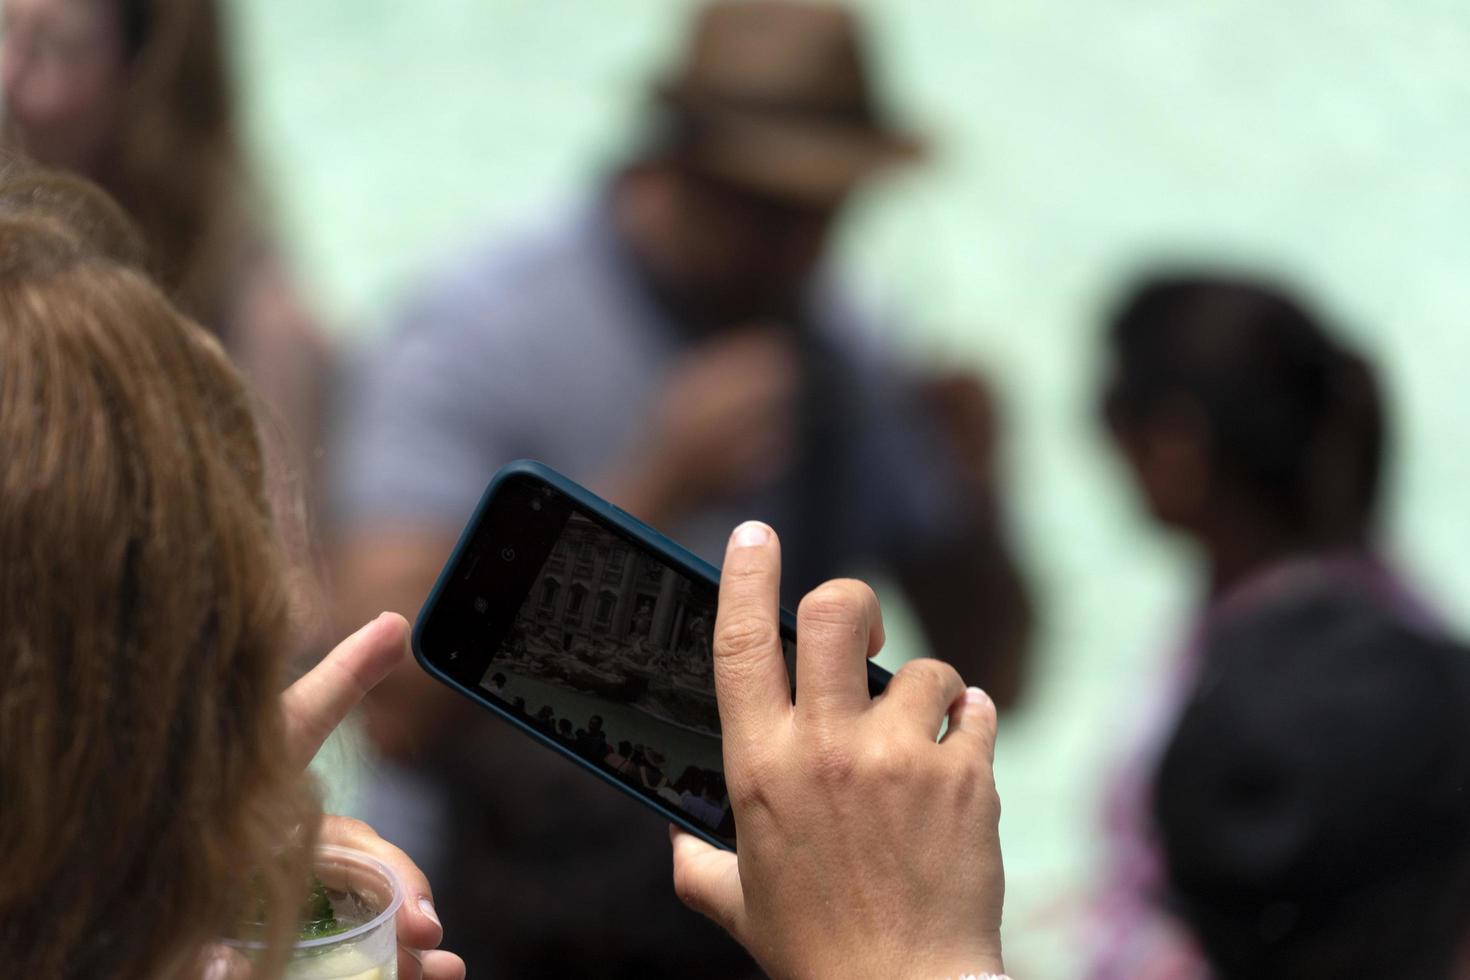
775 95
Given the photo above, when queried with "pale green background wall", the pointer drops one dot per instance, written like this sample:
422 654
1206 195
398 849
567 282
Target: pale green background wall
1327 139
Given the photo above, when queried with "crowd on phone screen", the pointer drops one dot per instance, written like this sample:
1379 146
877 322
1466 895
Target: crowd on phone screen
698 791
1295 802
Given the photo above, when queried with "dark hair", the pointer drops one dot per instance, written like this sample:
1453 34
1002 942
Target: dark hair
594 722
625 748
499 678
564 726
1295 418
1312 801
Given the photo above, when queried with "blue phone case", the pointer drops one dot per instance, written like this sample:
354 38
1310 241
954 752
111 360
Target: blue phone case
673 553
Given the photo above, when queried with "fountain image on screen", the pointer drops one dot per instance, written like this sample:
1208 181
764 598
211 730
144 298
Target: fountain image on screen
610 655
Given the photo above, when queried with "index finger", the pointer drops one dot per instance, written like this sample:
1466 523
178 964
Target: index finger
319 702
751 683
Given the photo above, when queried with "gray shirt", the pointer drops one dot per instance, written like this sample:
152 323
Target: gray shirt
548 346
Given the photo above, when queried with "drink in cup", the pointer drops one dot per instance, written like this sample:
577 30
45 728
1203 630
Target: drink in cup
348 931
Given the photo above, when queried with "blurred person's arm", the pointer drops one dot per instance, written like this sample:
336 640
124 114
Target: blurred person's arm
720 428
420 431
966 587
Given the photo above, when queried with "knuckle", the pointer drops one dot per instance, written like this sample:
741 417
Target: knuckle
886 761
355 827
742 635
966 775
931 674
750 790
941 678
745 799
350 828
840 602
983 803
975 785
977 768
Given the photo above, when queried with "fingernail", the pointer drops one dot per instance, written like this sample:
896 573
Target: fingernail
427 907
975 696
217 968
751 534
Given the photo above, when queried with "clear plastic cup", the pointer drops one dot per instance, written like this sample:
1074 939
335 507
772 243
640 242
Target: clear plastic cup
365 895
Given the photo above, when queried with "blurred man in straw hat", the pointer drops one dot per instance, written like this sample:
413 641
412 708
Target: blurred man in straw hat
677 344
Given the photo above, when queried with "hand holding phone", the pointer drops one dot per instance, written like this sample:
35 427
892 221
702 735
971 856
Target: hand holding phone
867 848
592 633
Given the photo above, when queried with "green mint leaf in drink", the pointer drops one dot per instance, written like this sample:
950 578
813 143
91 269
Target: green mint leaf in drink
317 919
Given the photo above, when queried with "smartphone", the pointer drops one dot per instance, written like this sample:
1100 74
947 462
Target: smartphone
592 633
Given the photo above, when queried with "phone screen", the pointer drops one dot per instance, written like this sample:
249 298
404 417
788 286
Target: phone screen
567 623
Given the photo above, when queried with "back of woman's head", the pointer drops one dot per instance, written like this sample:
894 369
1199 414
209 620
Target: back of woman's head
145 797
1293 420
75 208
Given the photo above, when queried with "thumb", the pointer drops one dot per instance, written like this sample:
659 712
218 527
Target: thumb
318 702
707 880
